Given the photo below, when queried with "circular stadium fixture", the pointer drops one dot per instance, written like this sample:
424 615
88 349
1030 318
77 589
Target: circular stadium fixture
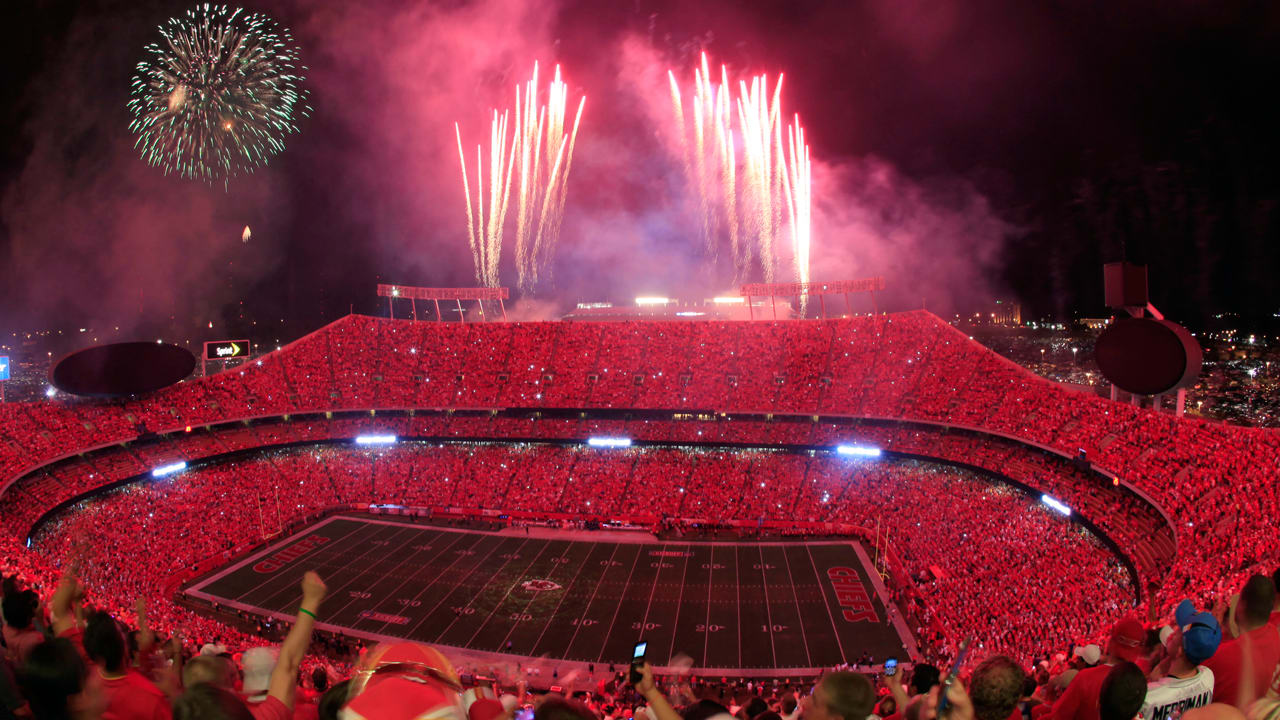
1145 356
120 369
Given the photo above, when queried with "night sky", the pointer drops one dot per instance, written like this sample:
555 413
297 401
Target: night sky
965 151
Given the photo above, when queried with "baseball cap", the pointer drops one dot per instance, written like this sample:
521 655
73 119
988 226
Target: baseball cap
1201 633
405 681
257 664
1091 654
1127 638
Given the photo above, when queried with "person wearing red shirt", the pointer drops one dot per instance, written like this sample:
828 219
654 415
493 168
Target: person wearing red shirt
1243 668
1080 701
281 688
19 610
1122 693
130 696
995 689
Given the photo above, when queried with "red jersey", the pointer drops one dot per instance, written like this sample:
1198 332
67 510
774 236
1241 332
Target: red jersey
270 709
133 697
1263 647
1080 701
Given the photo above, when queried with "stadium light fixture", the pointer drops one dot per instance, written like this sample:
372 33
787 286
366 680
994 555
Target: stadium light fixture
376 439
1056 504
729 300
652 300
858 451
609 442
169 469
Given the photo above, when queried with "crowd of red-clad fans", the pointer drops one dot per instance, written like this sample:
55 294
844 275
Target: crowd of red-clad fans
907 365
250 499
69 653
1020 583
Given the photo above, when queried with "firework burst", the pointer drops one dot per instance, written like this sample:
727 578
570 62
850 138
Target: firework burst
219 94
538 154
758 197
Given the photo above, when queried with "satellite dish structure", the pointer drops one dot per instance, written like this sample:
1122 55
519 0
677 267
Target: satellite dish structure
1145 356
1140 352
122 369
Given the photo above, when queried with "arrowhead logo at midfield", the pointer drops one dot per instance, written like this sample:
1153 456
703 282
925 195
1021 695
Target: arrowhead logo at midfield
540 585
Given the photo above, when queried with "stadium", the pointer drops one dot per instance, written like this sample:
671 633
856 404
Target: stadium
707 411
730 425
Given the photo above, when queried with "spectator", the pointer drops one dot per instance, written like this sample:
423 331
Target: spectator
212 669
1184 682
256 666
1123 692
129 695
204 701
55 682
1080 701
19 608
995 689
840 695
1243 667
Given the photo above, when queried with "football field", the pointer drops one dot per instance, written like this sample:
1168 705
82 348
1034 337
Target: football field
727 605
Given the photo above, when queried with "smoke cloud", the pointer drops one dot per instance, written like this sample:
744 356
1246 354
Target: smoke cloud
370 190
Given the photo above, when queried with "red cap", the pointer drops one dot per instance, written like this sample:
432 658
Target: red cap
1127 639
485 709
404 681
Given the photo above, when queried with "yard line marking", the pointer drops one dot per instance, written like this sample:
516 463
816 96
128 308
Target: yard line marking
618 608
804 639
346 564
706 640
578 625
507 594
470 572
768 614
413 576
834 629
684 579
413 536
533 597
737 586
656 577
331 545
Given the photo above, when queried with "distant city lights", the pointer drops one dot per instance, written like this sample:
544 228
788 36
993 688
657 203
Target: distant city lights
609 442
376 439
858 451
169 469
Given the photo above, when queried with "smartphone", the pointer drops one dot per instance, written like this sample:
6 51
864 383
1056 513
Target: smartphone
951 677
637 659
890 667
524 714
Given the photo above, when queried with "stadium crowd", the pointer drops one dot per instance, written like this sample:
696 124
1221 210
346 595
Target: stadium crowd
1001 580
258 497
72 658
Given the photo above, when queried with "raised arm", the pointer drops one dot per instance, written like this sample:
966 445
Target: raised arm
662 709
900 699
61 605
283 677
146 638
